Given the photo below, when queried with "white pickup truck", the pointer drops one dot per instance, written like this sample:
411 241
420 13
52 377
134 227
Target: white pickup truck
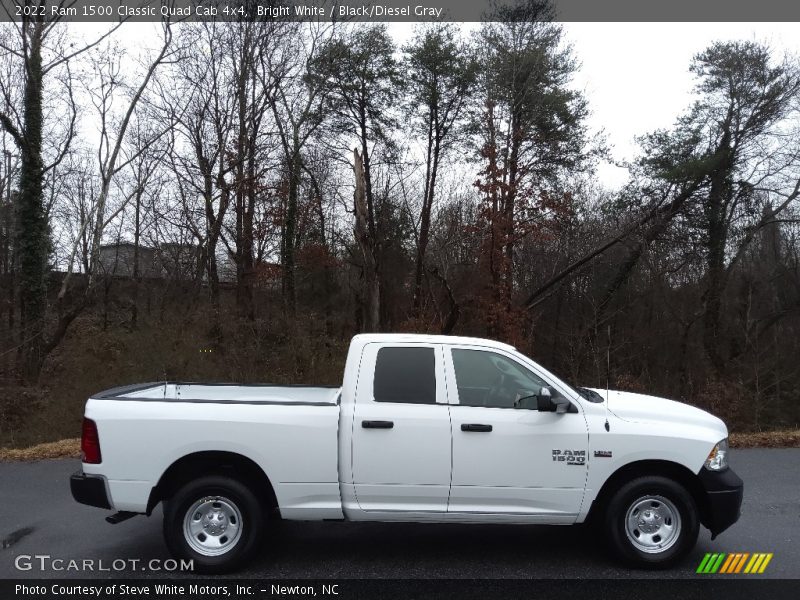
424 428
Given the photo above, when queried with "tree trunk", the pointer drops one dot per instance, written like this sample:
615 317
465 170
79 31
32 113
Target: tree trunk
508 217
367 247
370 213
425 222
249 254
244 221
454 311
137 272
9 260
295 165
31 235
716 241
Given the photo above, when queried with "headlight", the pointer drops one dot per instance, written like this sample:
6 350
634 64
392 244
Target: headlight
718 459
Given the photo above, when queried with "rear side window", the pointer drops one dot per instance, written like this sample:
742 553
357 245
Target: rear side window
405 375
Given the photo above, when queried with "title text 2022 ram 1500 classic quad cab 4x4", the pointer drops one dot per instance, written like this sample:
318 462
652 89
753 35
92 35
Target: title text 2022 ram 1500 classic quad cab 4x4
424 428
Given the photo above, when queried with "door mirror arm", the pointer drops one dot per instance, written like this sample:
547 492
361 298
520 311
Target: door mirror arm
562 405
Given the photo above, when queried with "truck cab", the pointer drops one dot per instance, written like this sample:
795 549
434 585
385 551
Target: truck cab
454 428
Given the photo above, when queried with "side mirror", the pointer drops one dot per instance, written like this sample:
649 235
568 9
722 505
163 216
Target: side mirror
544 400
546 403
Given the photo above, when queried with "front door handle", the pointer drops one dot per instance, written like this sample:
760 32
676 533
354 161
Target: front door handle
377 424
475 427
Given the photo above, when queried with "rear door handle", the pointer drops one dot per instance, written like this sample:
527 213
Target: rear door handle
377 424
475 427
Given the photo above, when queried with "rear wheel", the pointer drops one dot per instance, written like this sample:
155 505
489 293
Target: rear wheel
215 521
651 522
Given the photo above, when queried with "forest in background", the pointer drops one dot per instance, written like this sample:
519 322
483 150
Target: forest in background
317 180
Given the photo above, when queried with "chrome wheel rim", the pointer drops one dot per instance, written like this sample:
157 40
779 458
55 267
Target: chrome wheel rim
212 525
652 524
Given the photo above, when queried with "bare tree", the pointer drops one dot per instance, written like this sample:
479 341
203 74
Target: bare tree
297 101
108 166
362 77
366 244
202 134
30 46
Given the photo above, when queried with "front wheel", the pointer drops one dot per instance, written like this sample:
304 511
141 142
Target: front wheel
652 522
214 521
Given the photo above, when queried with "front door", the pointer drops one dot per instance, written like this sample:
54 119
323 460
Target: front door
401 430
509 458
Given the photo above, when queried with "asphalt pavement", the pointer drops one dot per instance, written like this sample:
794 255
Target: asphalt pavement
38 517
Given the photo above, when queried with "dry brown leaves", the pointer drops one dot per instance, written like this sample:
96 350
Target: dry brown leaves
787 438
70 448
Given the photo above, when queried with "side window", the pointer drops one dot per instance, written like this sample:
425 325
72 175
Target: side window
492 380
405 375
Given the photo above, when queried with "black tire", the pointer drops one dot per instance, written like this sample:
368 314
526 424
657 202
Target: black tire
653 499
229 494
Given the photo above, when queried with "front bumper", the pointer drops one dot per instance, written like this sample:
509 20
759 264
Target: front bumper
724 492
89 489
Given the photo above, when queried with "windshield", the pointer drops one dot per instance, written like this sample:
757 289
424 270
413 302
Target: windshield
585 393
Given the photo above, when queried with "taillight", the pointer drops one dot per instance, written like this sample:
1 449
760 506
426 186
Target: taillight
90 443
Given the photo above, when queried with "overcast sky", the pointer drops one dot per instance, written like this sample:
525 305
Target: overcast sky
635 75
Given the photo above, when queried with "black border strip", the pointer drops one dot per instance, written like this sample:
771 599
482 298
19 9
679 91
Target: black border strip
376 11
652 587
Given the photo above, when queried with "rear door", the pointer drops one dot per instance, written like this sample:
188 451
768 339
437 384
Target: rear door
401 429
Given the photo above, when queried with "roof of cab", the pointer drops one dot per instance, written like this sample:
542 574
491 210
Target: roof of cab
423 338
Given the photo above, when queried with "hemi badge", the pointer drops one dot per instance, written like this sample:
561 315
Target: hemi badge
602 453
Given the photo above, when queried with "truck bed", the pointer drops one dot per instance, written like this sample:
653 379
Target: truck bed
290 432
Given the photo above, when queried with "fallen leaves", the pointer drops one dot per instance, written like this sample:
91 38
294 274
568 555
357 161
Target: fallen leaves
786 438
70 448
